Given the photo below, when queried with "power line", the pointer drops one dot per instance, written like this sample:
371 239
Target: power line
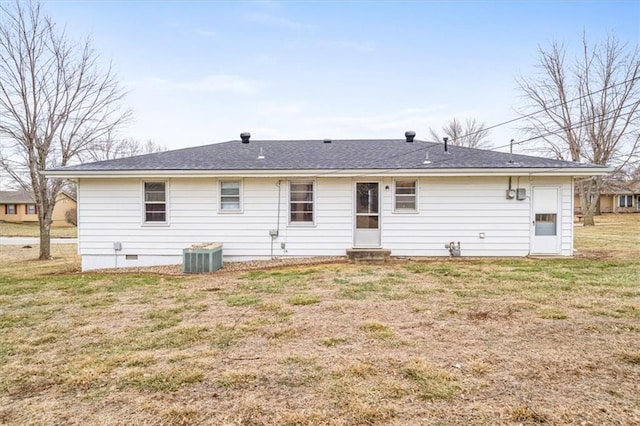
513 120
580 124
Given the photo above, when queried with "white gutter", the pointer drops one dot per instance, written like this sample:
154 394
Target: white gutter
560 171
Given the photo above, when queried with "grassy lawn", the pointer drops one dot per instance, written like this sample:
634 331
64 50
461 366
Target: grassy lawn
32 230
470 341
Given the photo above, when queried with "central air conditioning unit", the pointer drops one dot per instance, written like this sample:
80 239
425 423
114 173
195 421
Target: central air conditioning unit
201 258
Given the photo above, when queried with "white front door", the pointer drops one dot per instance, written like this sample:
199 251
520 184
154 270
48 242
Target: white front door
545 220
367 220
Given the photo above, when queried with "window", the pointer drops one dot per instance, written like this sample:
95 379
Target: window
155 202
405 196
10 209
638 203
546 224
230 196
30 209
301 202
625 200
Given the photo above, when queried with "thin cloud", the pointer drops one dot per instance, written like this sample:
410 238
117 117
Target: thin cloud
280 108
222 83
205 33
207 84
350 45
275 21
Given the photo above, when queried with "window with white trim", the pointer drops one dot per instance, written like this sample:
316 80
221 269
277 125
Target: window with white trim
10 209
301 203
406 196
155 202
625 200
30 209
230 196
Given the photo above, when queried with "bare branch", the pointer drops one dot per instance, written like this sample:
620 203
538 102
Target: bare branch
590 110
471 134
56 103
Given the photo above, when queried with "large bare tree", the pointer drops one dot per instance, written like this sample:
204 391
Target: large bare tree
589 108
57 99
472 133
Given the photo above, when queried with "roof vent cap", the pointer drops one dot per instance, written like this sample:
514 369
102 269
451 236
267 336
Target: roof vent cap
327 140
410 134
245 137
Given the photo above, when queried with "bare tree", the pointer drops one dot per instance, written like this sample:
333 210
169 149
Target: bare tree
471 133
120 148
56 101
590 109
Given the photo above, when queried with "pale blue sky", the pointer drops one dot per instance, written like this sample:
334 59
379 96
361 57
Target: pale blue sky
203 71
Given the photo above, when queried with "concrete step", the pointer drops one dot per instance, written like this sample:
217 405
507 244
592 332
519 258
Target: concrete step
368 255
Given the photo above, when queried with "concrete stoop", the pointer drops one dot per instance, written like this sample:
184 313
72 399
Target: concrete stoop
368 255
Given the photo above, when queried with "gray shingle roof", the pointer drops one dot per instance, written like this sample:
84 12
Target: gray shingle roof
317 155
16 197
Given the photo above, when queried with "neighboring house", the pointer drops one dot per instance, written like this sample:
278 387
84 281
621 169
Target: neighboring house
19 207
616 197
320 198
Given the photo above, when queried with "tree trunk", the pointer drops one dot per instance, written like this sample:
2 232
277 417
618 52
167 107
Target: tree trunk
589 197
45 240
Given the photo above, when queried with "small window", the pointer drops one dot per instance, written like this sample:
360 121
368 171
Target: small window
230 200
626 201
301 203
10 209
155 202
546 224
405 196
30 209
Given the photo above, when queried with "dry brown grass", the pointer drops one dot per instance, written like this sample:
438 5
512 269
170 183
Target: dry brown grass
614 236
471 341
8 229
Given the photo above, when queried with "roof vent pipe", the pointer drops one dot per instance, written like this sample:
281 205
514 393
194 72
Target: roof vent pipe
245 137
410 134
446 144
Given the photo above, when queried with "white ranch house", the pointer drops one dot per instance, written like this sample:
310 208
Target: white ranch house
264 199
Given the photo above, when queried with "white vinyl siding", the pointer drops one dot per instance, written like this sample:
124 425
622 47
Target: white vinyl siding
449 209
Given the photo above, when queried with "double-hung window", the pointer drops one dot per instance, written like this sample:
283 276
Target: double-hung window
155 202
406 195
230 196
301 206
30 209
10 209
626 200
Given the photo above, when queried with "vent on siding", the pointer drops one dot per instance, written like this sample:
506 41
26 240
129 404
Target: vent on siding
201 258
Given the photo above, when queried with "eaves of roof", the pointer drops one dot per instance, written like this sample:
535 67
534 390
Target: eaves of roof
561 171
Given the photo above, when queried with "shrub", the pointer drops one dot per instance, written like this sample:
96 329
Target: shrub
71 216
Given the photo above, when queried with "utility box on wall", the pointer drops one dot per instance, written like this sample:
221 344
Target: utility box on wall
201 258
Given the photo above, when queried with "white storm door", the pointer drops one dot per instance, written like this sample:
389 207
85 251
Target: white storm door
545 220
367 218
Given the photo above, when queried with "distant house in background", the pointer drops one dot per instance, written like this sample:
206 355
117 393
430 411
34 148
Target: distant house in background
20 207
616 197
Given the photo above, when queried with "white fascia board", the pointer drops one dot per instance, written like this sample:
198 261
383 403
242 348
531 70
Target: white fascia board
74 174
